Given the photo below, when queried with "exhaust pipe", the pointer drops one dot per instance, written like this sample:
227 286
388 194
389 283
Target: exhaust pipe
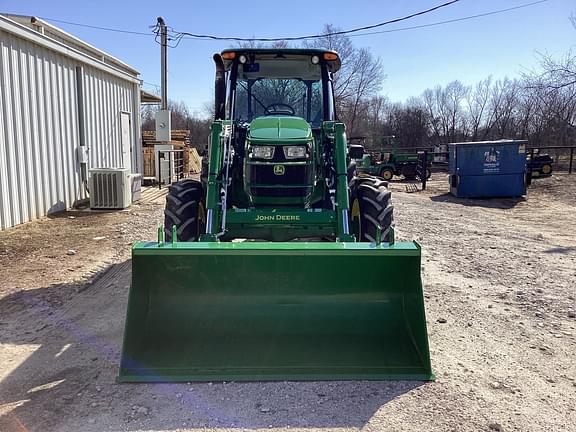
219 88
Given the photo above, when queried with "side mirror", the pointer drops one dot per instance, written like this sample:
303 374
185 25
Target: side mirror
356 151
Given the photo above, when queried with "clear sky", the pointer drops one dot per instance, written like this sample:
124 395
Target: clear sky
499 45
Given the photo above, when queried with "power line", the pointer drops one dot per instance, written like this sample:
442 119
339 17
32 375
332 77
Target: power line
97 27
453 20
178 36
317 36
151 84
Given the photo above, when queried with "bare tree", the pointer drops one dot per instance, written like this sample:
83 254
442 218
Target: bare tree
430 103
410 124
444 108
477 101
343 46
556 73
503 103
359 78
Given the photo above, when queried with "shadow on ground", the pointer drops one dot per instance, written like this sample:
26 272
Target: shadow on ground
497 203
79 213
60 350
561 250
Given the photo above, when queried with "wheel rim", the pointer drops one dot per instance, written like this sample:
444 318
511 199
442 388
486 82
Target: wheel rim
546 169
387 174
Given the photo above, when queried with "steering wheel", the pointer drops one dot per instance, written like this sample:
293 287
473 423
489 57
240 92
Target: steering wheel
279 108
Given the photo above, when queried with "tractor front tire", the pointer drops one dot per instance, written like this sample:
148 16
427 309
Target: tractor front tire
546 169
387 174
371 206
185 210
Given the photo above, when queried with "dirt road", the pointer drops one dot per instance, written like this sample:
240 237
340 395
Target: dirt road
500 286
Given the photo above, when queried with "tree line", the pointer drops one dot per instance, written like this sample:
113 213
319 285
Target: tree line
534 107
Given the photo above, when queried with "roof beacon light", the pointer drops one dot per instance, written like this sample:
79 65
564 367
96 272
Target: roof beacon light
330 56
229 55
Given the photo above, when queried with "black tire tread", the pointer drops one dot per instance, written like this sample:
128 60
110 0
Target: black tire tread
376 207
182 204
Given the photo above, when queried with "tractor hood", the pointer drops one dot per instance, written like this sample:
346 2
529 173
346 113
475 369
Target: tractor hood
279 128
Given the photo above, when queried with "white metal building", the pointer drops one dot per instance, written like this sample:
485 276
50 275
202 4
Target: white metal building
65 107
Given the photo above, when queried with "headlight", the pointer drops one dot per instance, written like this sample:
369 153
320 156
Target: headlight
295 152
262 152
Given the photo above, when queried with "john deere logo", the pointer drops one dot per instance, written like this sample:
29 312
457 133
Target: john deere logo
279 169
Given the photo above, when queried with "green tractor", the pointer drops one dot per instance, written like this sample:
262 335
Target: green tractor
276 266
387 163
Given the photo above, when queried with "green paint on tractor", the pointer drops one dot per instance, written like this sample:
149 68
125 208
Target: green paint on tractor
275 130
278 265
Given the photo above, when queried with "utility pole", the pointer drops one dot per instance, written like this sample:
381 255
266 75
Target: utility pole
163 62
163 126
163 115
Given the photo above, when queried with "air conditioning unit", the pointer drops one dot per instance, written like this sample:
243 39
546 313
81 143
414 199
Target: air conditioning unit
110 188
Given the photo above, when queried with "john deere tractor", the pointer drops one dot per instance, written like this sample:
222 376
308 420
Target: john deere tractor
276 266
390 162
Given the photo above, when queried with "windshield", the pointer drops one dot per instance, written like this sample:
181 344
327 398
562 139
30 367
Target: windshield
278 84
275 96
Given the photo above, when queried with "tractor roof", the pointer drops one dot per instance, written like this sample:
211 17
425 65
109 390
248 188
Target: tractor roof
331 58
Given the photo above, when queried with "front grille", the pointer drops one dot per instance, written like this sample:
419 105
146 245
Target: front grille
297 178
280 192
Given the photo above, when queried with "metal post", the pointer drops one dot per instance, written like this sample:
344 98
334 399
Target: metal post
161 235
378 235
159 171
174 235
425 170
170 166
81 124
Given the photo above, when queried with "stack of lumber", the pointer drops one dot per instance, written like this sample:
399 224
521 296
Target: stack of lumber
180 141
179 137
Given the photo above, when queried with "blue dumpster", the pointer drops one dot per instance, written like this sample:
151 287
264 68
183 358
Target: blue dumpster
487 169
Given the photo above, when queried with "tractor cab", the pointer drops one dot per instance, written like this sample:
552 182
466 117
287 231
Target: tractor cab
279 82
275 103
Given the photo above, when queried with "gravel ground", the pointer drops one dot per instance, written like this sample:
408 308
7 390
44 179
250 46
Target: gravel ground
499 279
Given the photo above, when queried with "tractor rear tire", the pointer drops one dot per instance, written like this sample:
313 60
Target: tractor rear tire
185 210
371 206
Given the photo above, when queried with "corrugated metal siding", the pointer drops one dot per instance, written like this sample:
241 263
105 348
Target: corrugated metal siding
105 98
39 129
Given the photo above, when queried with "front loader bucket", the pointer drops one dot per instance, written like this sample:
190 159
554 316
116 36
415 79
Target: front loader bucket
275 311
